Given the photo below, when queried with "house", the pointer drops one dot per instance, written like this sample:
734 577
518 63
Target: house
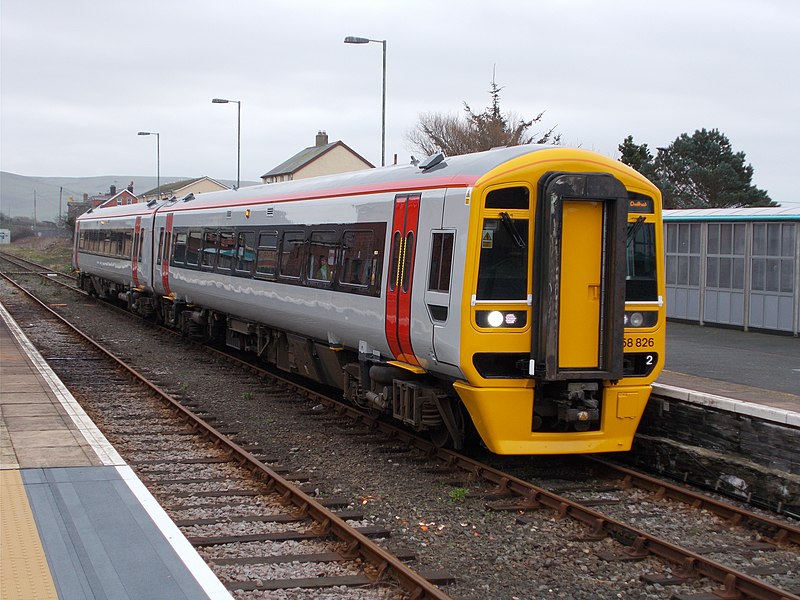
123 197
183 188
323 158
112 198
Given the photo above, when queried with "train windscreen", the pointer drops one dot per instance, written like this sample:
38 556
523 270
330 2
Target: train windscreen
503 271
640 281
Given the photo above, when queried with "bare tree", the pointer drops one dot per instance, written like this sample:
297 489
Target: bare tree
453 135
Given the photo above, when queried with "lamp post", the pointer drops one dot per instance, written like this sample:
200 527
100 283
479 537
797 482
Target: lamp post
359 40
238 132
158 158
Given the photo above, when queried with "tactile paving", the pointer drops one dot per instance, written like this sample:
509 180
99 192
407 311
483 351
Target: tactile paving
23 566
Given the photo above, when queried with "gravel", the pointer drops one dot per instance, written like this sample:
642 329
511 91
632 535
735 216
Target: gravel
442 521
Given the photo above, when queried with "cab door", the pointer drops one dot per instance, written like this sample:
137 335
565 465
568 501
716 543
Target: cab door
579 277
399 283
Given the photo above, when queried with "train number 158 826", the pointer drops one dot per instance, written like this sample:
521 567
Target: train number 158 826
640 342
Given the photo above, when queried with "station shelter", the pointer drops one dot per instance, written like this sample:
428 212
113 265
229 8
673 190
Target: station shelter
734 266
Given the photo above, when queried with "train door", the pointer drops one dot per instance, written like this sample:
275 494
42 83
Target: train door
399 283
137 251
579 277
163 230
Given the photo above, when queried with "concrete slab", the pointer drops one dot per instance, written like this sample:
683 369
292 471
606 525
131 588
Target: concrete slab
26 409
36 423
26 398
55 456
46 438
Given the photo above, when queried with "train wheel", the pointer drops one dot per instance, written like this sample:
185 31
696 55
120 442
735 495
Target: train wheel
451 436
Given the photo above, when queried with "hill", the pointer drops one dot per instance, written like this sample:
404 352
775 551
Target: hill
17 191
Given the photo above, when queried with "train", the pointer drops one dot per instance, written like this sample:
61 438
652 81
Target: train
515 295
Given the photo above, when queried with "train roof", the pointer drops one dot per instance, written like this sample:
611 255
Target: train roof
122 210
756 213
456 171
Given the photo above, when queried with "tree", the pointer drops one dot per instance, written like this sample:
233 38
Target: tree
697 171
637 157
452 135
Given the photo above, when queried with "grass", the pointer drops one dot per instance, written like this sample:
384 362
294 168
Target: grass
54 253
458 494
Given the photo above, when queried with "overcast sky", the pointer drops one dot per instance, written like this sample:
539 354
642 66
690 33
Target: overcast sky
81 77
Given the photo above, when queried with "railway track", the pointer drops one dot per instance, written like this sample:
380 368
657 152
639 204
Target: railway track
257 528
508 487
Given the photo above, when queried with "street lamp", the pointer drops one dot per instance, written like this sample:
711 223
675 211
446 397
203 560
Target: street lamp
158 158
359 40
238 132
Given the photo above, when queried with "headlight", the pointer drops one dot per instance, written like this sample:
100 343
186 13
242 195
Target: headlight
495 318
641 318
512 319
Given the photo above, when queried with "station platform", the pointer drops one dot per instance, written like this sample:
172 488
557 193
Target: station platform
75 521
744 372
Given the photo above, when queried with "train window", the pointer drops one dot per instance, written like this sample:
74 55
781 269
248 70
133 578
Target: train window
394 273
359 258
210 248
194 244
512 197
267 258
141 245
179 250
227 250
408 261
640 284
503 269
441 262
322 255
167 246
245 251
292 254
160 245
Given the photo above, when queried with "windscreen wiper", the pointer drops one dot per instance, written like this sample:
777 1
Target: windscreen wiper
508 223
634 229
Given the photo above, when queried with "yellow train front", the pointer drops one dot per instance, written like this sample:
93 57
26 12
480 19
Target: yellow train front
562 320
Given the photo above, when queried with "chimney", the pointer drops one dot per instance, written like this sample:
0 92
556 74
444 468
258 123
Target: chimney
322 139
113 190
130 187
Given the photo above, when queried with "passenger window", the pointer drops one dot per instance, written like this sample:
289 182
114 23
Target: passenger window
227 250
359 258
245 252
322 256
194 245
292 254
267 258
210 248
441 262
179 251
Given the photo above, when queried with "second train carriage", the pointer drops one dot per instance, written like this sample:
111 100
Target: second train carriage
518 289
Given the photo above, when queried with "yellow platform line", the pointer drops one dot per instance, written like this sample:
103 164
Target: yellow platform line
23 566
